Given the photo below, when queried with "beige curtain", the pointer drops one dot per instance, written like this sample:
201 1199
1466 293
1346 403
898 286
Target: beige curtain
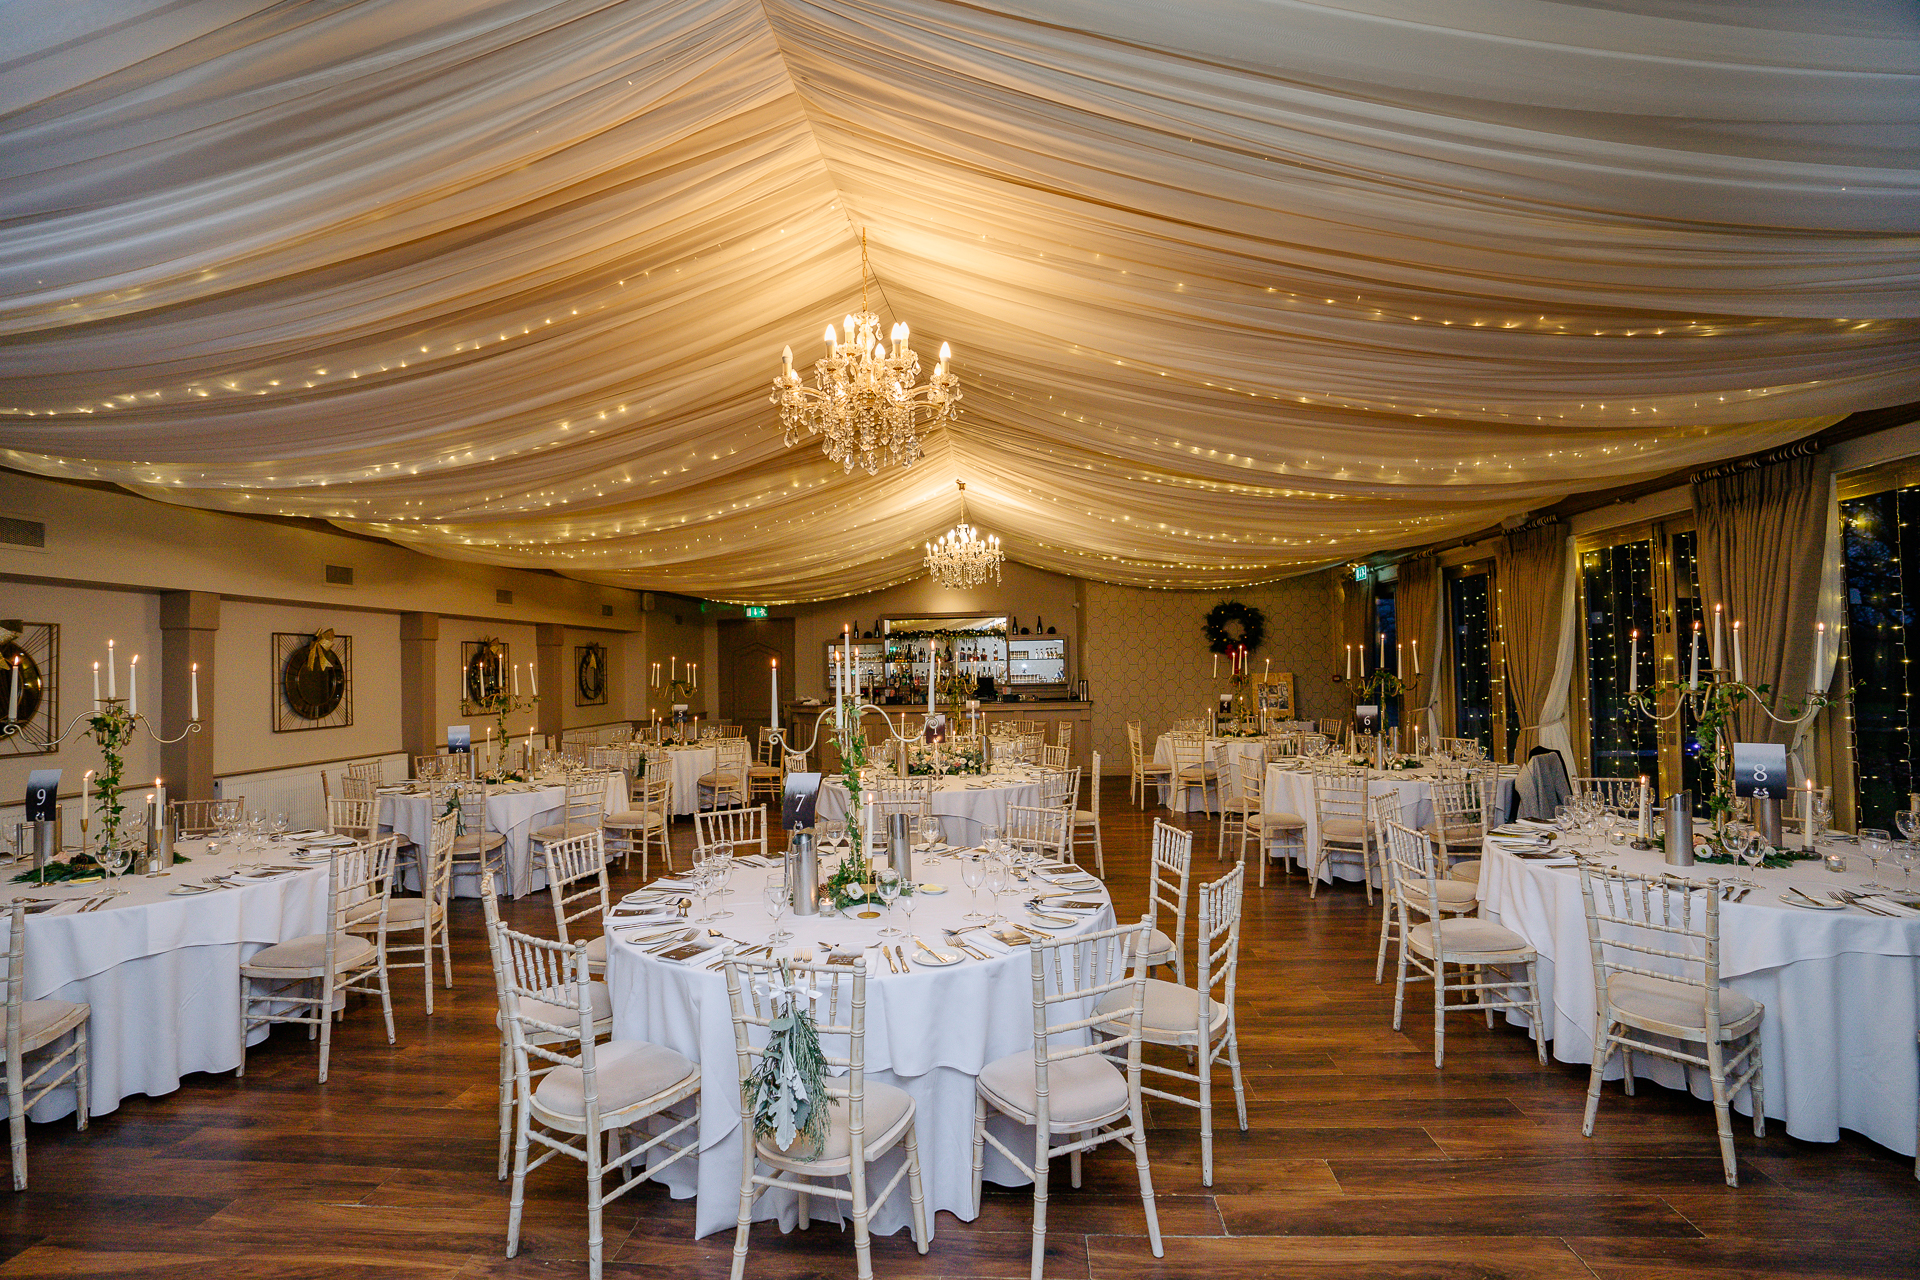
1531 583
1416 604
1356 624
1762 540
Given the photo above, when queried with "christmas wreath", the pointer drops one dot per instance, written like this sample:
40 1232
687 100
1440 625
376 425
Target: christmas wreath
1252 623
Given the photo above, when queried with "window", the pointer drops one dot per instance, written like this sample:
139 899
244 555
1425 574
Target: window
1879 540
1471 622
1385 623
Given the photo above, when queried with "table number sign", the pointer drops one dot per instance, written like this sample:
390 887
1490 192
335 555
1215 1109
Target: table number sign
1366 718
1760 770
798 800
43 794
460 739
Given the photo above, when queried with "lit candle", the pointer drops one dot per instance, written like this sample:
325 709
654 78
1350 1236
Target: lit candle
533 680
774 702
1739 666
1693 677
1633 670
1216 665
693 674
133 685
96 688
13 691
1349 662
1818 679
159 803
1383 648
1267 670
1806 817
1646 809
1416 657
933 674
113 690
1717 615
193 710
516 679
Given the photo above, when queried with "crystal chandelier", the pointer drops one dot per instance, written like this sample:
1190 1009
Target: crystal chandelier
962 558
863 398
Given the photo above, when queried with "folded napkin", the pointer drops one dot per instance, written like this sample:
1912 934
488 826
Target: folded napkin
1888 905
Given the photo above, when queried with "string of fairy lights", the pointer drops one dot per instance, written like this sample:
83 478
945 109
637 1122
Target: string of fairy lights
1875 652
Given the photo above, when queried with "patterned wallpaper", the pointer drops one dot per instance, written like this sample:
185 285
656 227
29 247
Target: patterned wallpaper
1146 659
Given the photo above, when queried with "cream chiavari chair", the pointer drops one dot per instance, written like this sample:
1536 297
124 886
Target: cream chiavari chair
274 981
1247 821
1073 1091
912 796
586 1090
1340 808
1192 769
767 775
1621 796
1144 770
1196 1018
476 846
1456 897
194 818
33 1025
1053 757
357 788
648 823
1063 734
1459 818
865 1118
1332 728
1059 788
1028 728
1471 945
1086 822
728 781
373 771
585 811
1169 874
356 818
426 914
1043 830
429 768
1656 970
744 829
577 886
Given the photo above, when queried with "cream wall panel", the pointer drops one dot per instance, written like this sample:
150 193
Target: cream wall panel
447 669
243 653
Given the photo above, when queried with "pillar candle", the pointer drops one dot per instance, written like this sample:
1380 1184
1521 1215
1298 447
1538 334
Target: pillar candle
1806 817
193 711
1633 673
1646 809
160 803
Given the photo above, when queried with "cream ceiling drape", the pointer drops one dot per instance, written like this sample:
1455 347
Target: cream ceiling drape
1234 289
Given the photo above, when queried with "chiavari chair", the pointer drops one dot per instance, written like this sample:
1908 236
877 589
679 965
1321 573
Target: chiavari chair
33 1025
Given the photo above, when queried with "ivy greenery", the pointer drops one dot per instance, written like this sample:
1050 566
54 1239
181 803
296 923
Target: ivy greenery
111 731
1252 624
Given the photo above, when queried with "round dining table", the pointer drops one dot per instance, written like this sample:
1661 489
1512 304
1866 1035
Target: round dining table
161 970
1841 987
1289 789
1247 753
514 809
930 1030
980 799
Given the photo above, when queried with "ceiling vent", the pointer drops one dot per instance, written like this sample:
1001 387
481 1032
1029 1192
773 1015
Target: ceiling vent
502 596
30 534
339 575
606 611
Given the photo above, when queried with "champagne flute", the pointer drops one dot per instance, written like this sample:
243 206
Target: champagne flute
887 881
973 873
1874 843
774 893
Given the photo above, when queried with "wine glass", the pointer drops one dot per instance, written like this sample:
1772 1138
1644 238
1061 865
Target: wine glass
1908 822
1906 855
1563 817
774 894
909 899
703 885
1874 843
1756 850
279 823
931 834
719 862
887 881
973 874
996 881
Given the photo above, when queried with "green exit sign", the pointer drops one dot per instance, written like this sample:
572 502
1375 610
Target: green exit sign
756 611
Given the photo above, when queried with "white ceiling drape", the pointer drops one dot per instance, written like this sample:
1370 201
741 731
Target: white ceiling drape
1233 289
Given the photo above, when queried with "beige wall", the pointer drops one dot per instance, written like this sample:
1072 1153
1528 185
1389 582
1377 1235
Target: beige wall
87 619
246 681
446 684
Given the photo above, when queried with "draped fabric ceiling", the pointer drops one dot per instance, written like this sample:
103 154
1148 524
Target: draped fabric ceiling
1234 289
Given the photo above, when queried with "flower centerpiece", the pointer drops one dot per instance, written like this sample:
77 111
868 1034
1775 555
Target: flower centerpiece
966 757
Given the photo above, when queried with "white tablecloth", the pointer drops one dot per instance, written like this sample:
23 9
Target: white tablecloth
162 973
1248 753
929 1032
980 800
512 812
1837 1044
1291 791
690 764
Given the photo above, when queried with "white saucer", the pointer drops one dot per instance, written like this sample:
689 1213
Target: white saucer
925 959
1811 904
931 890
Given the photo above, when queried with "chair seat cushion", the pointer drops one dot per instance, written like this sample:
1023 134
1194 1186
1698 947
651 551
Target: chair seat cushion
41 1020
1349 830
1469 872
476 842
564 831
1085 818
1170 1010
1466 935
1159 947
310 952
1644 999
561 1012
887 1105
640 818
1460 833
719 779
1079 1090
1265 822
624 1072
401 913
597 952
764 771
1198 773
1451 892
1151 767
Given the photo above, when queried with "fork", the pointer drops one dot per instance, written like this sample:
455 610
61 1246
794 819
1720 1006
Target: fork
1853 900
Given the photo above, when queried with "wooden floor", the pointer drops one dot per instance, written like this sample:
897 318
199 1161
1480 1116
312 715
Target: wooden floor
1361 1160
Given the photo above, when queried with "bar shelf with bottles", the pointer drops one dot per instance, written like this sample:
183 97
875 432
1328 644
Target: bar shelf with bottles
893 671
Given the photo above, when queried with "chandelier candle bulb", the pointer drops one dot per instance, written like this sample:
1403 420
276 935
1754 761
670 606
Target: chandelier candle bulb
1739 666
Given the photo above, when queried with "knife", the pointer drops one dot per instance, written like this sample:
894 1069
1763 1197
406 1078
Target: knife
941 956
888 957
904 966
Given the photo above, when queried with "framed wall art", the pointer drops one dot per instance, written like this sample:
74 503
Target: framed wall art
29 687
590 675
312 680
485 675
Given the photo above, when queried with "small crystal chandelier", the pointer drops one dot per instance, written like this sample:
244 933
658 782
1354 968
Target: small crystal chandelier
962 558
863 398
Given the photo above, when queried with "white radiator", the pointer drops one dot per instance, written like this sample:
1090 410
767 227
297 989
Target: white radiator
296 791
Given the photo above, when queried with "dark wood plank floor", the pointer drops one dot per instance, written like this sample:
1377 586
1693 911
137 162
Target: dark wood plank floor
1361 1159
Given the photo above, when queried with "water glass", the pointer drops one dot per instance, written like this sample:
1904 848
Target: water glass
973 873
1906 855
774 894
1874 843
887 881
998 873
909 899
